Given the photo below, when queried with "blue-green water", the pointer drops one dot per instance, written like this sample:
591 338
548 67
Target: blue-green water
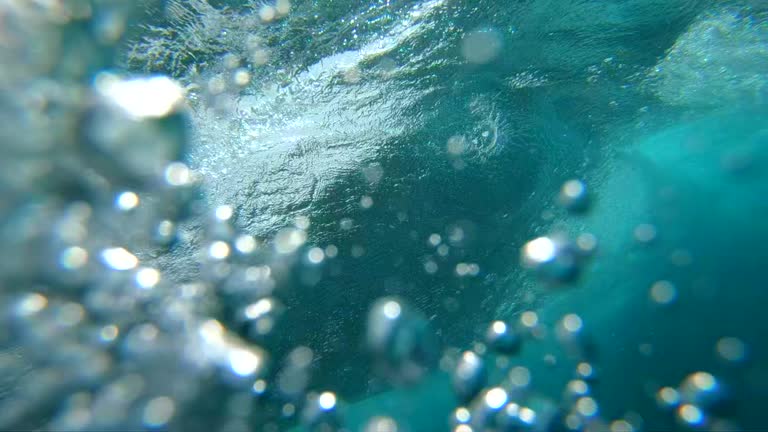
399 149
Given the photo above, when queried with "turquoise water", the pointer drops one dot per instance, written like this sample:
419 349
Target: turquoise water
365 188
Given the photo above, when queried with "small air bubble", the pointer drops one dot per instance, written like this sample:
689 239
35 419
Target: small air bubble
267 13
645 233
127 201
331 251
731 349
315 255
663 292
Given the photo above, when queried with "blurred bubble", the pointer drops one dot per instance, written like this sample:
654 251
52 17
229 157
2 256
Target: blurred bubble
553 258
147 277
294 377
663 292
218 250
223 213
301 222
331 251
109 333
731 349
576 389
519 377
481 46
244 362
119 258
165 232
315 255
645 233
288 240
496 397
283 7
30 304
178 174
158 412
456 145
571 335
690 415
241 77
73 258
502 338
401 341
469 376
127 201
327 401
430 267
681 258
259 386
246 244
373 173
585 371
572 323
460 415
573 196
262 316
320 413
587 243
267 13
288 410
151 97
586 406
467 269
702 389
529 319
486 408
621 426
381 424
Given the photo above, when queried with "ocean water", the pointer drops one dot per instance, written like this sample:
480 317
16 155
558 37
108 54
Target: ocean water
435 215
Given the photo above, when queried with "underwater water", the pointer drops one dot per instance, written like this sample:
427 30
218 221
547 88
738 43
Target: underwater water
380 216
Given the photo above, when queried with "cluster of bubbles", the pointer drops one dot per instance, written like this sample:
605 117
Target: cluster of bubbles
557 258
496 392
96 336
695 400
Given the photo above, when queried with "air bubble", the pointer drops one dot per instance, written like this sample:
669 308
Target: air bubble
381 424
554 259
481 46
288 240
73 258
573 196
702 389
400 340
663 292
119 258
262 316
315 255
469 376
668 397
731 349
320 413
502 338
127 201
267 13
158 412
